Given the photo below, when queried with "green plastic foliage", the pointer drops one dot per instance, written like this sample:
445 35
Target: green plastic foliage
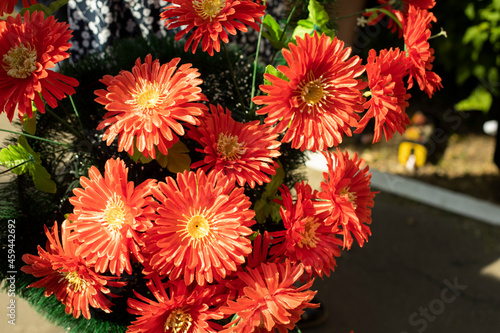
22 159
270 69
47 11
274 33
29 124
317 21
265 207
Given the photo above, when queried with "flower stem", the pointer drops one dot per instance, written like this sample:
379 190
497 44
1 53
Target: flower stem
284 29
367 10
15 166
36 137
254 76
236 87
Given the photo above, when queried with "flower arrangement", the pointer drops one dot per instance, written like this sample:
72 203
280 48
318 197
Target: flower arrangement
179 207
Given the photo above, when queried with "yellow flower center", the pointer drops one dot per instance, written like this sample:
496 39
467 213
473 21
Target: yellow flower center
20 61
309 238
178 321
229 147
313 93
198 226
148 98
75 282
208 9
351 196
115 213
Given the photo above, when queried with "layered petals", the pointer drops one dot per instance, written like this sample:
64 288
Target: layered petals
244 152
389 99
202 228
145 106
68 276
316 102
210 21
109 216
346 195
30 46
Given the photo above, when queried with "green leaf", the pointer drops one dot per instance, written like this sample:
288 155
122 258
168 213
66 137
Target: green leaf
316 21
265 207
47 11
23 159
479 100
270 69
274 32
29 124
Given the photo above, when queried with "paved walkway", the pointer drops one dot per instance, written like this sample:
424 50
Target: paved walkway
423 270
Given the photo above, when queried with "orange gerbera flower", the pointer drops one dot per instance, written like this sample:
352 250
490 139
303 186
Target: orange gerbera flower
201 228
68 276
307 239
346 195
185 311
268 299
29 47
388 100
145 106
400 9
211 20
109 215
242 151
416 34
317 101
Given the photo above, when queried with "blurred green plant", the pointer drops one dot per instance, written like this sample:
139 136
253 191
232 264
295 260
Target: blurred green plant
482 39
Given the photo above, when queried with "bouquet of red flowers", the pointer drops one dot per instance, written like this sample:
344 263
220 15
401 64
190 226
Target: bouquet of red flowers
176 193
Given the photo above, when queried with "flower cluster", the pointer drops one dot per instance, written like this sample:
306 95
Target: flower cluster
192 237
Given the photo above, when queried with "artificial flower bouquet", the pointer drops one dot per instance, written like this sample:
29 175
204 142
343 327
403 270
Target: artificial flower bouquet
175 190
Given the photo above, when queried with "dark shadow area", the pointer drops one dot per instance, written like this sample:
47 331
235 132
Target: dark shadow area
419 272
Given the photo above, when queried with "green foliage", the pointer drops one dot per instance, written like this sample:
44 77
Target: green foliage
274 33
47 11
316 21
266 208
21 159
482 40
270 69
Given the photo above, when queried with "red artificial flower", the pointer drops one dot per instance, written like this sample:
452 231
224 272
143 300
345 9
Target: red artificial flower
68 276
202 228
416 34
242 151
187 310
268 299
388 100
211 20
346 195
145 106
7 6
29 47
109 216
316 103
399 8
307 239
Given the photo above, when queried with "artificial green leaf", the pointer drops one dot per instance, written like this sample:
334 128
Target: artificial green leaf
316 21
178 158
270 69
27 160
29 124
13 156
265 207
274 32
47 11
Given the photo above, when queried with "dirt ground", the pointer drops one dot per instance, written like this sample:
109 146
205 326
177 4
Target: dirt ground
462 163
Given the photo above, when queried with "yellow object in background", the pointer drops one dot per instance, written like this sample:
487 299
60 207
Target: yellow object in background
412 154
